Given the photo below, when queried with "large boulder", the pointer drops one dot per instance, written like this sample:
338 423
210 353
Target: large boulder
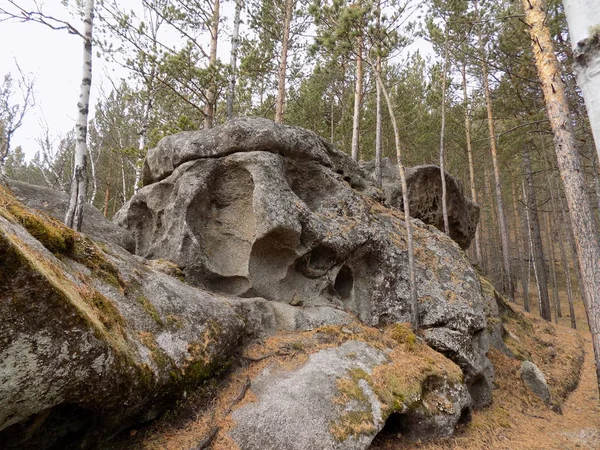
282 215
56 202
425 197
92 338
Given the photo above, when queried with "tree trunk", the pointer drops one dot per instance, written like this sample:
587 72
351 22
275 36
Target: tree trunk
211 95
526 269
74 215
536 239
378 132
442 132
94 178
280 105
583 19
586 240
565 263
235 41
519 241
508 286
552 267
416 322
357 98
470 156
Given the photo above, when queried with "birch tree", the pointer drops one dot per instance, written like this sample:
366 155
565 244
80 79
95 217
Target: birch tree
583 19
586 239
235 42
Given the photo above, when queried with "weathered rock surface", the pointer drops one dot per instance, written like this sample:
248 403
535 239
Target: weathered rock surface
55 203
95 338
425 195
332 402
293 230
535 380
274 231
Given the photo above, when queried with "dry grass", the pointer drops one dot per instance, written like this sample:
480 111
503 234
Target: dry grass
517 420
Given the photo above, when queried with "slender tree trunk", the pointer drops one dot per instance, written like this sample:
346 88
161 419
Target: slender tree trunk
107 189
532 255
552 267
74 215
565 262
123 181
519 242
280 105
586 239
470 156
94 179
583 19
211 96
538 250
442 133
378 133
357 98
235 41
526 251
508 286
142 142
416 322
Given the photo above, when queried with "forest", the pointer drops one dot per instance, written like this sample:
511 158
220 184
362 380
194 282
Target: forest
485 89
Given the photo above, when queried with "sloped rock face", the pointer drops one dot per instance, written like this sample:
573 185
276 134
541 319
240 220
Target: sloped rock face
425 196
92 340
55 203
286 217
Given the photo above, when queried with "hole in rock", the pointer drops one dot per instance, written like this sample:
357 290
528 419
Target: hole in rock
394 428
344 282
465 416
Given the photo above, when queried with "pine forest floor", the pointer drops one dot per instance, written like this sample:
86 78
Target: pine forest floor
519 421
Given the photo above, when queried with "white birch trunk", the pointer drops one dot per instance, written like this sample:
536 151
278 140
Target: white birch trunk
583 19
74 215
235 39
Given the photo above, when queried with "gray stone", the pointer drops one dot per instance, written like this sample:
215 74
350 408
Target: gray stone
55 203
80 346
292 220
302 408
535 380
425 196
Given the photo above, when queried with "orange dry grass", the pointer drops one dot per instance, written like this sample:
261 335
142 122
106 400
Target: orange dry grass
517 420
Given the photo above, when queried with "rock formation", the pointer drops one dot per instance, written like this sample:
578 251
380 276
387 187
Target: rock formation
273 230
425 194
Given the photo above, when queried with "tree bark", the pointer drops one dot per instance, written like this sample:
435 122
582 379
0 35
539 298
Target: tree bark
536 237
470 157
565 263
211 95
280 105
586 240
442 133
583 19
74 215
508 286
235 41
357 98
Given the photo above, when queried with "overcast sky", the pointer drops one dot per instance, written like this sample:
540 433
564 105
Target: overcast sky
54 58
